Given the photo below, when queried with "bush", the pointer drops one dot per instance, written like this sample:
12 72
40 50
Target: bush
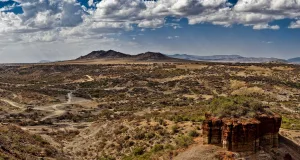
184 141
290 123
175 129
157 148
107 113
139 136
162 122
138 151
150 135
193 133
236 106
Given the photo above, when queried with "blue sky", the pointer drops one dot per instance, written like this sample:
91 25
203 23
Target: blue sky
208 39
64 29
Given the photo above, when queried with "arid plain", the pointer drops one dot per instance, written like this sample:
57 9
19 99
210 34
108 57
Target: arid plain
124 109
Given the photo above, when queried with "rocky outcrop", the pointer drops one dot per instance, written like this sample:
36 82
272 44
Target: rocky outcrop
269 129
242 135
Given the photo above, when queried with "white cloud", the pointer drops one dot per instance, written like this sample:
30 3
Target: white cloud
90 2
172 37
295 24
59 20
155 23
267 42
265 26
8 7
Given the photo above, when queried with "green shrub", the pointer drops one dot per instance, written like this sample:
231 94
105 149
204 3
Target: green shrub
150 135
138 151
184 141
169 147
290 123
157 148
193 133
236 106
175 129
106 113
140 135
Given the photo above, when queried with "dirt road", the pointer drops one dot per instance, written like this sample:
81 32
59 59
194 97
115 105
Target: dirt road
54 110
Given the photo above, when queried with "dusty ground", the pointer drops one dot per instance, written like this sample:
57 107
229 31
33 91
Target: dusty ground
211 152
293 135
138 110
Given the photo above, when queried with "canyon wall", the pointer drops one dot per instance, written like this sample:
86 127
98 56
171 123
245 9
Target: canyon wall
242 135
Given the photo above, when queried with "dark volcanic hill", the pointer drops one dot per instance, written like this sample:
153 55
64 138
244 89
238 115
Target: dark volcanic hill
151 56
110 54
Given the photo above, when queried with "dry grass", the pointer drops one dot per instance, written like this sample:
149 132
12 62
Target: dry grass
235 84
248 91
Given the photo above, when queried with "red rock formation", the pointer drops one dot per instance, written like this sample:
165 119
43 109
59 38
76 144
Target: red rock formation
242 135
269 130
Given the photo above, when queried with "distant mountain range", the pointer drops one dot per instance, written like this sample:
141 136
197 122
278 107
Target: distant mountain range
294 60
235 59
229 58
44 61
155 56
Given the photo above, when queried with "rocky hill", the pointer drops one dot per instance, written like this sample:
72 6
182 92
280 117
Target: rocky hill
111 54
151 56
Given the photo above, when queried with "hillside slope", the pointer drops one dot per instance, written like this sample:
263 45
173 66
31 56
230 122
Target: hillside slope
18 144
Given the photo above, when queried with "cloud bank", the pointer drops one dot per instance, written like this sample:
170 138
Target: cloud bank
51 20
73 22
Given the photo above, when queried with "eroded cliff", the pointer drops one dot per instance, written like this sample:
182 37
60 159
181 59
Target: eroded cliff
242 134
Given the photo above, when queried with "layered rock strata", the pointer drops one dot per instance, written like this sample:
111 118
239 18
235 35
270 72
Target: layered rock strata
242 135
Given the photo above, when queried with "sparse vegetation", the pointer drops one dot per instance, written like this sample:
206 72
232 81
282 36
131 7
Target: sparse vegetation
235 106
18 144
184 141
290 123
136 111
193 133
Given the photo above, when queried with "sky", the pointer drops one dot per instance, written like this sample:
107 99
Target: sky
34 30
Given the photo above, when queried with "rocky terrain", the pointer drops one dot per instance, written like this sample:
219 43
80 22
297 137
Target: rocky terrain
18 144
104 109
